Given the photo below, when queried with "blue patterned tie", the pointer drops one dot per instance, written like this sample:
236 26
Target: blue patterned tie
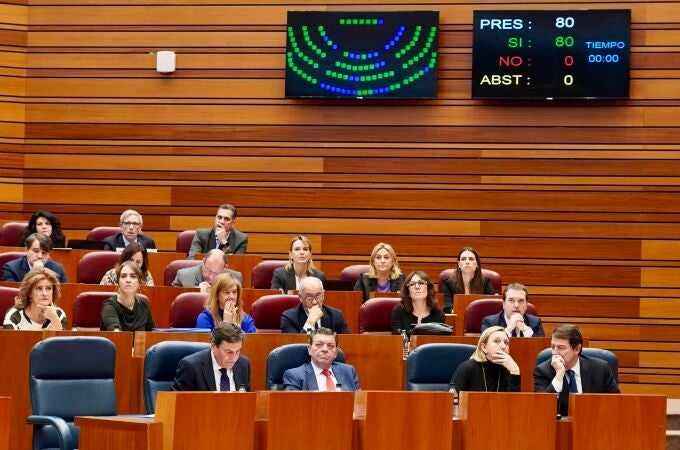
224 380
571 375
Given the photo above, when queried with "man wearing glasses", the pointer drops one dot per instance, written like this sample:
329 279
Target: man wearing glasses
203 275
311 313
322 373
222 235
130 231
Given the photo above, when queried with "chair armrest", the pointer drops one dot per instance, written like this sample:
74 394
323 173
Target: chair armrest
63 431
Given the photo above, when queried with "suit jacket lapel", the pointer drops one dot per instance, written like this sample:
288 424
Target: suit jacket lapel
302 317
310 378
212 240
586 373
198 276
208 373
501 319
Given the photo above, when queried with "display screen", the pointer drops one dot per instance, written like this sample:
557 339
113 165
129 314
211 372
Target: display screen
362 54
551 54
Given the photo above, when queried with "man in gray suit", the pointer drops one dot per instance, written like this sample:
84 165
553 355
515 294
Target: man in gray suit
222 235
322 373
204 275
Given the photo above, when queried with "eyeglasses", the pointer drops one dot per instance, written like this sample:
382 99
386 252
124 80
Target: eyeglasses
421 283
311 298
131 224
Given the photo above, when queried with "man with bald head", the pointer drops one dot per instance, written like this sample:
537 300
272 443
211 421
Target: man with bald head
311 313
203 275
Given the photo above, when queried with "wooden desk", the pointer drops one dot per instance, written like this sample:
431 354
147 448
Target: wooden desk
119 433
304 420
520 420
396 420
618 421
15 346
206 420
5 415
523 351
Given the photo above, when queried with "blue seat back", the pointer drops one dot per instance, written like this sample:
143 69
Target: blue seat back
590 352
160 367
68 377
430 367
287 357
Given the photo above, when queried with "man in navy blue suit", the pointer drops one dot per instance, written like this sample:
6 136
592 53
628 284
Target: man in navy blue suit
130 231
38 248
513 317
322 373
218 368
311 313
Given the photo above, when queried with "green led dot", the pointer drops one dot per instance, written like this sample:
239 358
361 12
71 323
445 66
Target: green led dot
380 76
404 66
363 56
405 81
355 21
374 77
410 79
391 73
370 92
329 42
374 21
323 55
315 81
342 21
316 66
343 65
421 73
345 54
434 54
345 77
328 73
361 21
362 78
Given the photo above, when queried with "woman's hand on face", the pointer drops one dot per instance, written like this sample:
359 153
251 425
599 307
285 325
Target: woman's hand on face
504 359
229 314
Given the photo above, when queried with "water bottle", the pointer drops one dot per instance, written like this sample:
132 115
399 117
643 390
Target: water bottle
406 343
242 388
338 387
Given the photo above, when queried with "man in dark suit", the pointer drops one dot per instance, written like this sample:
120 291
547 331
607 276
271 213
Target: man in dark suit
513 316
130 226
222 235
218 368
569 371
311 313
322 373
38 248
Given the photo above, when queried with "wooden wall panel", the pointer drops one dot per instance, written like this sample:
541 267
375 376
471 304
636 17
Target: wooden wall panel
580 200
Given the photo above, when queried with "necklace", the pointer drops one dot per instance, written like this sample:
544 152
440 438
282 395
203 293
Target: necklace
498 385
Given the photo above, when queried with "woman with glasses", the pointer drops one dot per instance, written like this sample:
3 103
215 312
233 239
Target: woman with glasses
136 253
384 274
466 279
44 222
300 266
490 368
225 304
418 303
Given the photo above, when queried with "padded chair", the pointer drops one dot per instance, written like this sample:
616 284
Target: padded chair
69 377
92 266
183 242
430 366
479 309
590 352
287 357
87 310
185 309
11 233
266 311
375 315
101 233
7 296
172 268
351 274
160 367
263 272
492 275
7 257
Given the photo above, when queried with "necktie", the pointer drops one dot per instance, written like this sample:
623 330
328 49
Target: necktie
514 333
224 380
571 375
330 386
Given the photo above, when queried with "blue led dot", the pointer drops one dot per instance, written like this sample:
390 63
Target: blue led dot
351 55
382 63
380 21
426 69
334 46
387 47
375 54
392 43
325 38
344 91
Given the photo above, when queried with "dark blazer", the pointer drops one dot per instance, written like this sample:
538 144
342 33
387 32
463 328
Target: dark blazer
116 241
303 379
285 280
293 319
596 377
401 320
367 285
447 288
17 269
195 373
205 240
499 320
